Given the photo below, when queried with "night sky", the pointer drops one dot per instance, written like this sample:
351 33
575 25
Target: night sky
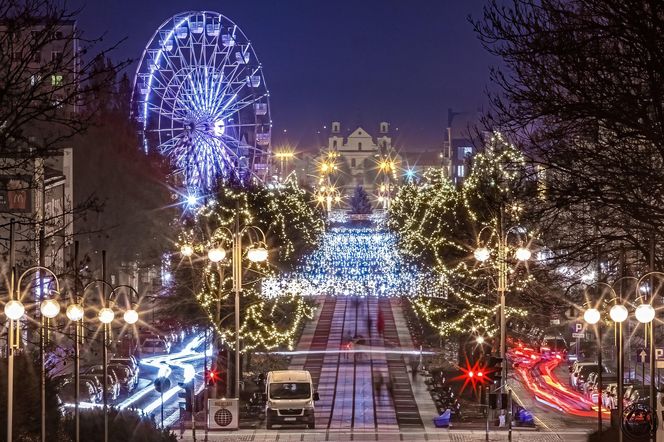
356 61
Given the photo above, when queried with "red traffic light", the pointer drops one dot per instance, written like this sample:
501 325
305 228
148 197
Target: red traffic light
213 376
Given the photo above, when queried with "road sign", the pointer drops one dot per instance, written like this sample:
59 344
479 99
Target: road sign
162 384
578 335
642 356
578 327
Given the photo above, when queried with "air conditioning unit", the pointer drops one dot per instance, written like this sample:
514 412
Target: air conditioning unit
223 414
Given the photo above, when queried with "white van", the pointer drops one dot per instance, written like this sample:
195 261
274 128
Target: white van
289 396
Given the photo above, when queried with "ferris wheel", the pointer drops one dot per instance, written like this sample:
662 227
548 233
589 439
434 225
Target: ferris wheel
200 99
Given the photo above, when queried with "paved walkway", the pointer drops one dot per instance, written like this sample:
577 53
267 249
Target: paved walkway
438 435
352 395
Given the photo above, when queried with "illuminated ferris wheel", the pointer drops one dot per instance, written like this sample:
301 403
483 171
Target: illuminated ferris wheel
200 99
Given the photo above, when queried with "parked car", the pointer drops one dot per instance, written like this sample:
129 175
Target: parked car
579 372
553 346
155 346
96 381
126 377
127 361
67 390
112 382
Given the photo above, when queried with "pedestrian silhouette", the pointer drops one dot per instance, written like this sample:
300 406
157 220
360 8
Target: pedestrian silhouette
380 323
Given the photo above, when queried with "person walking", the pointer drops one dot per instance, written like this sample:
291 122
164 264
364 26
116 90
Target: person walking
380 323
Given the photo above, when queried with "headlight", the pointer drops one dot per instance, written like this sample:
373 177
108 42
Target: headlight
309 404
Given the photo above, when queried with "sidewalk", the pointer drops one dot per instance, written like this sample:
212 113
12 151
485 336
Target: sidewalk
435 435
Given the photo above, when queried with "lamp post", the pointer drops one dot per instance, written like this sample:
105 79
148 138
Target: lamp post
256 252
106 315
645 314
14 310
482 254
592 316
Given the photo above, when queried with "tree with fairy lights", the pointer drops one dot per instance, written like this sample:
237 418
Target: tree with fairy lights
437 223
202 291
359 202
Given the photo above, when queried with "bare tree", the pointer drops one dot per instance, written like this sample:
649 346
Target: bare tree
580 88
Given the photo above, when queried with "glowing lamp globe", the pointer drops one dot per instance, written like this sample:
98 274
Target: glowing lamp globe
591 316
482 254
14 310
644 313
75 312
50 308
187 250
522 254
257 254
130 316
216 254
106 315
618 313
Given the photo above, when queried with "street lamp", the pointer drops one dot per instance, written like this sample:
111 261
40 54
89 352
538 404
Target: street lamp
256 252
482 254
14 310
106 315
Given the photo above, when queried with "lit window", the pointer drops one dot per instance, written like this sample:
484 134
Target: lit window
56 80
460 170
467 151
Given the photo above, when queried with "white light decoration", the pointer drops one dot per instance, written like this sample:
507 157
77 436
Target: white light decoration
14 310
591 316
106 315
216 254
618 313
187 250
480 340
522 254
358 262
644 313
75 312
50 308
257 254
130 316
482 254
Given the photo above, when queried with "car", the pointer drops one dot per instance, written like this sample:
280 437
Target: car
126 377
67 390
553 346
155 346
112 382
583 370
127 361
96 382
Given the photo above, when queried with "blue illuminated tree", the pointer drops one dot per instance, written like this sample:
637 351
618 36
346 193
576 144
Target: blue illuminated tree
359 202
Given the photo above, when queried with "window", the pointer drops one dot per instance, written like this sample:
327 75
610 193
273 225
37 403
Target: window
334 143
56 80
359 146
352 162
37 57
461 170
56 56
58 35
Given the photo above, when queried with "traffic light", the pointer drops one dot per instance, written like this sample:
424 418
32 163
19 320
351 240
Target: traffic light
213 377
494 369
187 394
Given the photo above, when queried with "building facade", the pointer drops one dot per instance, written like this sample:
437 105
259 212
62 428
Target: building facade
359 159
